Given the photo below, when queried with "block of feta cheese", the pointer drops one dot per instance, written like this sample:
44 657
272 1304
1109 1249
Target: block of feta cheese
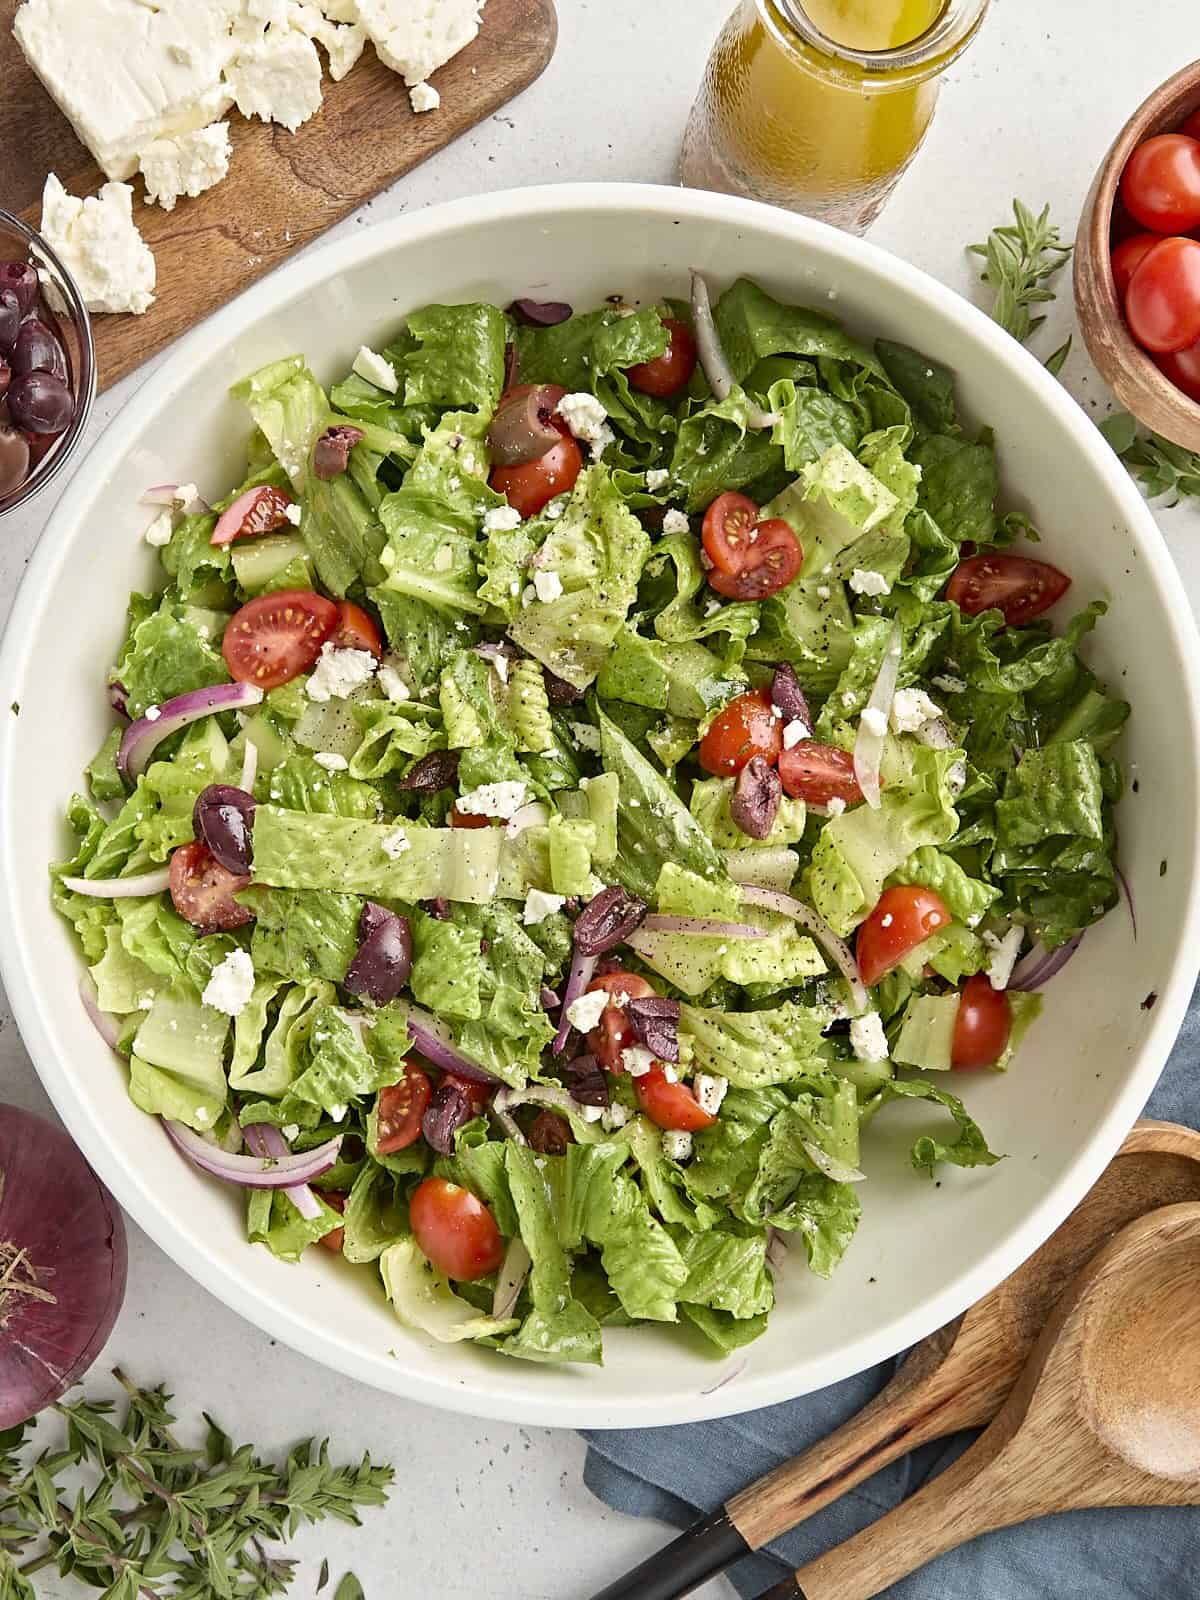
125 73
99 244
415 37
185 164
342 43
277 78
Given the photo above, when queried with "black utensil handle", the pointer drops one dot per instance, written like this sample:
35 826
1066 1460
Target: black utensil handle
789 1589
703 1550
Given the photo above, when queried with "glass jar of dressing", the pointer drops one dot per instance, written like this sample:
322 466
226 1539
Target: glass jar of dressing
819 105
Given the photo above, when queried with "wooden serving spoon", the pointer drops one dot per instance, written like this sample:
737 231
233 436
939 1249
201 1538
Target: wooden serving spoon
958 1378
1106 1413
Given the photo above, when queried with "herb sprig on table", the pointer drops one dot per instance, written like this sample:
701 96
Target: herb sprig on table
1022 257
1161 467
140 1516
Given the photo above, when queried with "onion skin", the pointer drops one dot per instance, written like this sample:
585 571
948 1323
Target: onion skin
53 1207
141 738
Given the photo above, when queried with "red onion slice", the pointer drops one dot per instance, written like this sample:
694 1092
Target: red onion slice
1040 965
254 1172
703 927
838 951
514 1269
580 975
117 696
425 1032
868 746
1128 892
268 1143
121 888
167 494
104 1022
712 358
63 1263
142 737
249 766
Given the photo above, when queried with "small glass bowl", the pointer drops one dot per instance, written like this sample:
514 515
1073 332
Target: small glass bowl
20 243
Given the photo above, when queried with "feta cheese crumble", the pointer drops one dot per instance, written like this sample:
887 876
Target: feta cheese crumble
160 530
874 721
339 672
424 97
867 1038
294 513
823 591
795 732
331 761
709 1089
501 519
152 713
1005 951
675 522
393 685
587 420
836 806
539 906
911 709
585 1012
277 79
374 368
547 585
585 736
394 844
864 581
100 246
495 799
415 37
615 1116
637 1060
185 164
677 1145
443 558
230 984
657 478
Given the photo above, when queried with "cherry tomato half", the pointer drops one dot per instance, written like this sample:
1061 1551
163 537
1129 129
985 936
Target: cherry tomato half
258 511
670 372
670 1105
746 727
750 559
614 1032
336 1237
275 637
903 918
467 819
202 890
1162 303
1161 183
399 1111
455 1230
1017 586
1183 369
478 1094
1128 256
356 630
982 1026
819 773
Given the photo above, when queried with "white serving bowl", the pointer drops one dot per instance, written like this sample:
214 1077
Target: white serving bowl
924 1251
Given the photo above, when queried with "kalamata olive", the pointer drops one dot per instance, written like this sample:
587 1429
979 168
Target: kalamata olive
14 460
437 770
10 320
371 918
331 453
754 802
607 920
22 280
449 1110
655 1024
438 909
380 969
40 403
223 818
787 694
37 350
586 1081
549 1134
558 691
540 313
522 429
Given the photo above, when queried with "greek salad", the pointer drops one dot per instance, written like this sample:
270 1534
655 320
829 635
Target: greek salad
589 765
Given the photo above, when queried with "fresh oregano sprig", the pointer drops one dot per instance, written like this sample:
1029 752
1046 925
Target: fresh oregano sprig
1161 467
149 1519
1022 257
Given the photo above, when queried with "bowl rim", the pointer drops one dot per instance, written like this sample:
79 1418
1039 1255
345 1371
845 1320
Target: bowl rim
544 1404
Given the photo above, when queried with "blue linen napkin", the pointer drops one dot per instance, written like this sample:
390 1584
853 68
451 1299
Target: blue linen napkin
675 1474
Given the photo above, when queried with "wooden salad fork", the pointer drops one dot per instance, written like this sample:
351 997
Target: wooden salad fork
956 1379
1105 1413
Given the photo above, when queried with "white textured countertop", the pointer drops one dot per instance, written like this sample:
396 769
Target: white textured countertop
483 1511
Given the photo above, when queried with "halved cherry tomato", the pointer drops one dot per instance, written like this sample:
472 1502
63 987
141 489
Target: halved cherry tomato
1127 257
982 1026
467 819
1183 369
399 1111
530 485
258 511
1161 183
819 773
670 372
903 918
336 1237
746 727
356 630
614 1032
670 1105
455 1230
202 890
1162 303
750 559
478 1094
1018 586
275 637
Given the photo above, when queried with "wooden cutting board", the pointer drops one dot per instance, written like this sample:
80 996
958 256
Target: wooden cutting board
283 188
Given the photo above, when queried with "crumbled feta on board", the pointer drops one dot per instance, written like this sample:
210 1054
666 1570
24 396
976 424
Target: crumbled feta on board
416 37
99 244
278 78
424 97
185 164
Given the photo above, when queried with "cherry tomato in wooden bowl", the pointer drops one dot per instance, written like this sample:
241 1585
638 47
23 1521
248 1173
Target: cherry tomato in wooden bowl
1161 183
669 373
455 1230
1183 369
746 727
1128 256
1017 586
1162 302
903 918
982 1027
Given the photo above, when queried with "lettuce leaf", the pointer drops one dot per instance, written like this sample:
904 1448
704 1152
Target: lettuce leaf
313 934
457 359
558 1328
423 1299
685 679
728 1272
755 1049
169 653
969 1147
273 1220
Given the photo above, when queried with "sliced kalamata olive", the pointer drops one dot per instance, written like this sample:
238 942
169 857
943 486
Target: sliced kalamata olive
438 770
438 909
586 1081
558 691
607 920
40 403
787 694
223 817
380 969
522 429
371 918
655 1023
540 313
37 350
449 1110
22 280
755 799
549 1134
331 453
14 460
10 320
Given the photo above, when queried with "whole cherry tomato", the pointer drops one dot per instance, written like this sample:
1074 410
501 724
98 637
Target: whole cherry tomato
746 727
983 1025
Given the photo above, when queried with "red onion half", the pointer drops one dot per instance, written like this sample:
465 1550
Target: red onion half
580 975
141 738
63 1262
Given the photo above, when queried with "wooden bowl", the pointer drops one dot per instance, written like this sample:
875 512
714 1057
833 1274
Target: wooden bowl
1126 368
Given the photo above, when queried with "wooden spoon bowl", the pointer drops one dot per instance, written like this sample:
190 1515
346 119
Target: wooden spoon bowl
1126 368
